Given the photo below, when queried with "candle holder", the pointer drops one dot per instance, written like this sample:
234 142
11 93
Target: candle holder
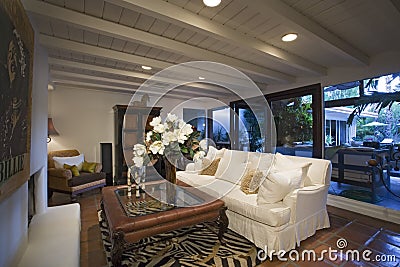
129 183
139 174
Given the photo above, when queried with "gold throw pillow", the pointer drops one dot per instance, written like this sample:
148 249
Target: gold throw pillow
88 166
74 169
251 175
208 167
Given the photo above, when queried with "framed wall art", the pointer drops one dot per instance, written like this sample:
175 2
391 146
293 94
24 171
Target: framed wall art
16 63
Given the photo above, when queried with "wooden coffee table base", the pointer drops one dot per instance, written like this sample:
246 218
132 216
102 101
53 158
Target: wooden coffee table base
126 232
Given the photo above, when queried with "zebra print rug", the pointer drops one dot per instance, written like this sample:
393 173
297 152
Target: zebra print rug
190 246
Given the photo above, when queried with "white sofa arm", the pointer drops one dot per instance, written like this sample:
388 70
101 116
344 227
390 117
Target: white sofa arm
306 201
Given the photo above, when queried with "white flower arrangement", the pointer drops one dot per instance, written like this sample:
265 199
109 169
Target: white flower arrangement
172 138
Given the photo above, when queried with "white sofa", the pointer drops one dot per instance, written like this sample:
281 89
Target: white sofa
277 226
54 238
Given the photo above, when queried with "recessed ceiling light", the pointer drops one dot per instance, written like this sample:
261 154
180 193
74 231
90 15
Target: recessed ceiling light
146 67
289 37
212 3
201 78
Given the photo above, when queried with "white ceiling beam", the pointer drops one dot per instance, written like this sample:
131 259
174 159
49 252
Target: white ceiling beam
66 80
181 92
85 66
120 84
185 18
79 65
118 91
58 43
302 22
119 31
95 78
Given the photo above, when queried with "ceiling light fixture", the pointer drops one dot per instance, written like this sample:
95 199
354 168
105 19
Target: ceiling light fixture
289 37
201 78
146 67
212 3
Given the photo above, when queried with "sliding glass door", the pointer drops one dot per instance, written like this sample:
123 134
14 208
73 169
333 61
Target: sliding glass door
298 119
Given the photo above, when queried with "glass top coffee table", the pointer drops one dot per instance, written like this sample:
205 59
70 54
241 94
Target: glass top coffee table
131 219
154 201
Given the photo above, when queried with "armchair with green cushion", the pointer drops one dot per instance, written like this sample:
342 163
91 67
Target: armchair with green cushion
70 179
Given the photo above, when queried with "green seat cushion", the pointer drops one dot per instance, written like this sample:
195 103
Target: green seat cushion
85 178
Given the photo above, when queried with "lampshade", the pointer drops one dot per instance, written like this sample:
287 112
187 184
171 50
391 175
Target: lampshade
51 130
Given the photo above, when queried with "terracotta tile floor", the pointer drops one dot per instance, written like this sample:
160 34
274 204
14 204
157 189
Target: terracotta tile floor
361 233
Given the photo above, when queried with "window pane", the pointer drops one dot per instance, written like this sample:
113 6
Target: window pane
383 84
294 121
342 91
221 126
250 138
196 118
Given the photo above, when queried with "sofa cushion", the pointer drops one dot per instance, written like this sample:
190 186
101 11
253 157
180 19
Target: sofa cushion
194 179
284 163
278 185
232 166
86 177
75 160
209 184
275 214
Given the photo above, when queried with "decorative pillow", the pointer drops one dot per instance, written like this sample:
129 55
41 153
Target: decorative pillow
278 185
258 178
214 153
232 163
247 181
73 168
284 163
76 160
88 166
210 167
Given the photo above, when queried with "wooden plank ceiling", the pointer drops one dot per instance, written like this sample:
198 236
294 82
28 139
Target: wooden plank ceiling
102 44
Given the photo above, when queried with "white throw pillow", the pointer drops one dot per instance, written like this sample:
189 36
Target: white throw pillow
76 160
261 161
214 153
278 185
284 163
233 166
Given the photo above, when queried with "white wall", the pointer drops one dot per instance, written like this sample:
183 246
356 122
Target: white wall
85 118
14 209
39 127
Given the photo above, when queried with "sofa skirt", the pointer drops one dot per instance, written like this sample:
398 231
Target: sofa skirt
275 239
